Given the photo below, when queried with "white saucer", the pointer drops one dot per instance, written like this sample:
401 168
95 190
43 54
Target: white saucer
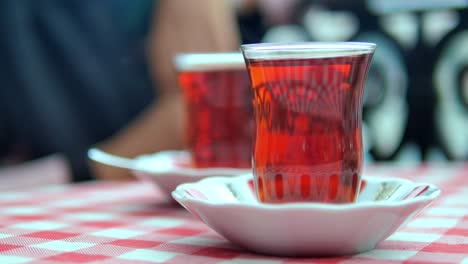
230 207
168 169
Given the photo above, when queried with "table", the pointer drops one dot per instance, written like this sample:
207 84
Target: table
134 223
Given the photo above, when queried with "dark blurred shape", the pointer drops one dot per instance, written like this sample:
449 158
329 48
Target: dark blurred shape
251 23
72 73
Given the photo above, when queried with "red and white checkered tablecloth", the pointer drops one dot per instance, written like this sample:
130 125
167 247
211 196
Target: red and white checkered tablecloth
133 223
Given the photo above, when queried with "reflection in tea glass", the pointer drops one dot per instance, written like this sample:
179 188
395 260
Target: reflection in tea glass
219 119
307 107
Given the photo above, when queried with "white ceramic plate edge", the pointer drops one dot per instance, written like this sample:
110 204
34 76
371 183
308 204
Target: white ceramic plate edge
164 158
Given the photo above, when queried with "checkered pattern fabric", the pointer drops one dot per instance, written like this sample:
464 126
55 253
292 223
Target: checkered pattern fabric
134 223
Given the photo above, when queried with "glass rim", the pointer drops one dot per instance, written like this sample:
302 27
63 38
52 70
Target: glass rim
304 50
208 61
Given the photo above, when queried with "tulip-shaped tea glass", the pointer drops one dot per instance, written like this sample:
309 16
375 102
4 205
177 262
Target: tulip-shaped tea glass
219 119
307 100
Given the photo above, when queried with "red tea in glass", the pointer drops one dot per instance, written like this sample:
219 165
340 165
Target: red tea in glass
307 106
217 97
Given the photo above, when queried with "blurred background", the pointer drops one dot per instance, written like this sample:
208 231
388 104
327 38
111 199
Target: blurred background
416 101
